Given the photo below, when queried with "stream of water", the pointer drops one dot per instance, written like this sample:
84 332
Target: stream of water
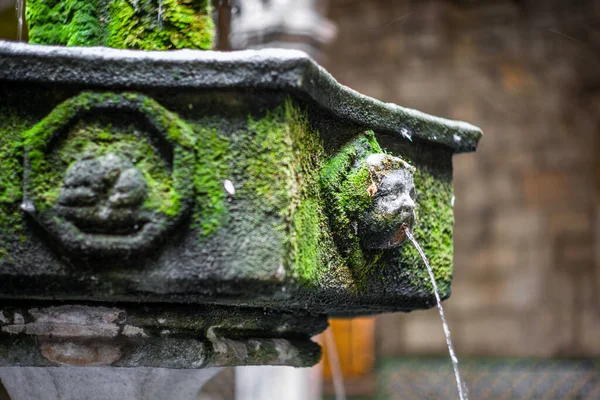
160 18
20 8
462 391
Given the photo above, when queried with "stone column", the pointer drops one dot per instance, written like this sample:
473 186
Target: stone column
266 383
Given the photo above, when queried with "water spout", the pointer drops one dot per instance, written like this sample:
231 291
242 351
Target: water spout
462 390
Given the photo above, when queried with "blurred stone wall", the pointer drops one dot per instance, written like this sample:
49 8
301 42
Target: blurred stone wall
527 268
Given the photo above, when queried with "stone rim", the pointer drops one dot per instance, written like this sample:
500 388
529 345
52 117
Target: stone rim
290 71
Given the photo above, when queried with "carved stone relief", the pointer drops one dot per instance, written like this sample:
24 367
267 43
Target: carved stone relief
108 174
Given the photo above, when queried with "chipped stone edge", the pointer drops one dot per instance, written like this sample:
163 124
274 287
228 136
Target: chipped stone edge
79 335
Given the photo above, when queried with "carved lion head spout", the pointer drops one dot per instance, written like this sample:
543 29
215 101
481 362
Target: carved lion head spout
392 190
103 194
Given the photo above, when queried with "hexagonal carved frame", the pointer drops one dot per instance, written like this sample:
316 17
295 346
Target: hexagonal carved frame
67 217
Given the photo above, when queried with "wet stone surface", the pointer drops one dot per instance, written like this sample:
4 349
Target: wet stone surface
268 200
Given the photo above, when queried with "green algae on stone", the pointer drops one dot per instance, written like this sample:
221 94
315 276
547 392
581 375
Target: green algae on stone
183 24
73 134
212 167
11 177
433 231
125 24
278 157
345 188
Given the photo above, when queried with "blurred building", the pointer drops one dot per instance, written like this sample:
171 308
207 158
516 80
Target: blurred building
527 233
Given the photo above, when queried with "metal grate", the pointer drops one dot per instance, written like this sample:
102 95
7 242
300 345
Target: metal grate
423 379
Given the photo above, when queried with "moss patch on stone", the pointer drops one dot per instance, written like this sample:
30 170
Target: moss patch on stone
65 22
212 167
183 24
345 188
279 157
72 133
433 231
122 23
11 177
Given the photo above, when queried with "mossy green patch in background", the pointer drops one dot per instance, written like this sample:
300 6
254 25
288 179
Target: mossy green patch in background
66 22
72 133
345 184
126 24
160 24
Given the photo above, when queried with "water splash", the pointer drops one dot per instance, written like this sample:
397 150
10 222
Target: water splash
160 12
20 9
334 365
462 390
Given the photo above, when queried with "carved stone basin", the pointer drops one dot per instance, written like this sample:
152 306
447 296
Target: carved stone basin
191 209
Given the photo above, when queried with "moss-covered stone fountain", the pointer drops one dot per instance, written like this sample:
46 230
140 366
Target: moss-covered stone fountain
188 209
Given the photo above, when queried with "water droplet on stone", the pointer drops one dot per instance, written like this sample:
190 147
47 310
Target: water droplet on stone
229 188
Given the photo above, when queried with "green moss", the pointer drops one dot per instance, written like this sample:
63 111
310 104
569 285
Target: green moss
65 22
345 187
433 231
307 234
11 176
122 23
185 24
212 167
278 159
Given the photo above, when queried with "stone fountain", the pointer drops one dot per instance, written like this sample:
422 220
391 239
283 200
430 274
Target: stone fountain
192 209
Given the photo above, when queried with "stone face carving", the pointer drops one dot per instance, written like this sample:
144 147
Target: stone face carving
369 197
110 178
103 195
393 193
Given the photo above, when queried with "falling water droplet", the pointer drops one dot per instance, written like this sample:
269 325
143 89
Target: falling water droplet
20 11
462 391
160 18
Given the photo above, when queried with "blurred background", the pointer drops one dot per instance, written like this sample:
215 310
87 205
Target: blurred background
525 308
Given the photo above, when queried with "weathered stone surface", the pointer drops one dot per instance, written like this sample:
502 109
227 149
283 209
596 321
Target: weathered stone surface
272 126
287 71
157 336
100 383
252 181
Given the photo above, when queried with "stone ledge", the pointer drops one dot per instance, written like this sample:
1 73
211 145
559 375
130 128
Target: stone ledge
290 71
